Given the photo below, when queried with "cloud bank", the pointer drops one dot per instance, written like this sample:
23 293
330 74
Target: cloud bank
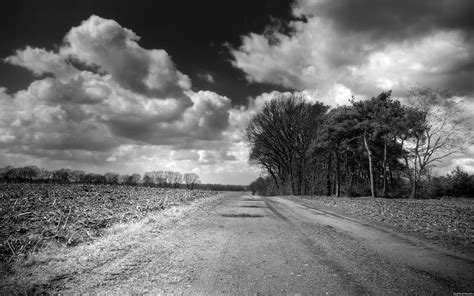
365 47
103 100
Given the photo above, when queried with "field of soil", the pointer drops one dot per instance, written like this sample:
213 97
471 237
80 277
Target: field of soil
38 216
447 222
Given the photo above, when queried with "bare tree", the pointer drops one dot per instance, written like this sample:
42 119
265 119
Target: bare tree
173 179
446 132
190 179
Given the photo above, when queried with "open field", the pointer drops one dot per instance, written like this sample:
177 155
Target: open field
447 222
35 216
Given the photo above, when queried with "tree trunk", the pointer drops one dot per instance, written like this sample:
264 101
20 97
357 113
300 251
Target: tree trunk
328 176
371 174
385 168
414 186
338 175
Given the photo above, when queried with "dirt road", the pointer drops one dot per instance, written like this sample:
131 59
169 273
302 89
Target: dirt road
246 245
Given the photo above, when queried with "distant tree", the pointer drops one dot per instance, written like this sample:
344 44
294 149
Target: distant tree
159 178
148 179
133 179
112 178
173 179
62 176
23 174
461 184
4 172
94 178
77 176
123 179
45 175
261 186
191 179
177 179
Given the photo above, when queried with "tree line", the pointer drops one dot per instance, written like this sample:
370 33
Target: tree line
164 179
375 147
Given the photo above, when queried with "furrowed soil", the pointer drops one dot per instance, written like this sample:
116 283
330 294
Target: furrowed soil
446 222
37 216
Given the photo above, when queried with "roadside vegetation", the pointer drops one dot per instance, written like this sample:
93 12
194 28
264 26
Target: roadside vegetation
377 147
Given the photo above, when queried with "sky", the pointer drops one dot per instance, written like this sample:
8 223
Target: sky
109 86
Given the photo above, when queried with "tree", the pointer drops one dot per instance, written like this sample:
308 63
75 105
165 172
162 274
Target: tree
4 172
29 173
173 179
148 179
93 178
337 133
77 176
62 176
111 178
445 132
460 182
133 179
190 179
384 125
280 137
370 117
123 179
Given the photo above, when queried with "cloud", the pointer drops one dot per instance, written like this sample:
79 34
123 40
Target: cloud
137 96
207 77
41 61
115 50
102 102
386 19
390 45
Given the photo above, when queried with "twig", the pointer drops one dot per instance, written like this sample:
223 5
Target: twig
11 247
60 219
67 218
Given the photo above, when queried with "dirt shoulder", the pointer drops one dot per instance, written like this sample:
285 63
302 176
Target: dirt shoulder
445 222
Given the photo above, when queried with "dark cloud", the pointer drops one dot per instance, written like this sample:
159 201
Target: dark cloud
388 19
